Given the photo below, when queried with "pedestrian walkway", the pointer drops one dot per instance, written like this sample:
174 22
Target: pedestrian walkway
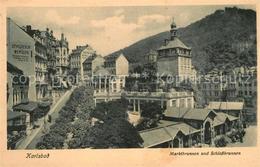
250 138
55 108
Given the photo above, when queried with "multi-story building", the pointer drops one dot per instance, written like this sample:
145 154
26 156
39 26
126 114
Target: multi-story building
41 62
109 81
151 57
91 65
51 44
117 64
21 54
233 86
21 81
174 58
62 57
17 86
78 56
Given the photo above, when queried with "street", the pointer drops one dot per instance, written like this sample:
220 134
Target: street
31 140
249 138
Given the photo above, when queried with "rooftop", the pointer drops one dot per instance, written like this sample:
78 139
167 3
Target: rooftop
225 105
175 43
188 113
113 57
162 134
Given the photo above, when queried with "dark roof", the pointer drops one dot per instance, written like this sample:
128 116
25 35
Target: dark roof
175 43
188 113
30 106
112 57
91 58
13 69
12 115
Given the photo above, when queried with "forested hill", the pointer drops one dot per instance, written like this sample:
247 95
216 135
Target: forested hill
224 39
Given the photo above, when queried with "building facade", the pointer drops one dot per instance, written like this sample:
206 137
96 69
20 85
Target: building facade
62 57
110 78
174 57
91 65
78 56
21 54
237 85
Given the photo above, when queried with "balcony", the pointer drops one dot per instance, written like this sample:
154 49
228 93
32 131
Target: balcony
104 93
158 94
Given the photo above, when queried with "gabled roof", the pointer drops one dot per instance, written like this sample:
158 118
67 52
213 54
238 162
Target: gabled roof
225 105
91 58
221 118
113 57
159 135
175 43
188 113
13 69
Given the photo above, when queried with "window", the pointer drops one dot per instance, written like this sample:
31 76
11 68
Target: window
240 92
174 103
204 86
245 93
182 103
216 93
250 93
17 122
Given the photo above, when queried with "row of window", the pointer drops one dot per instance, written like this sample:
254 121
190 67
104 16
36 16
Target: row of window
168 52
246 93
213 93
182 103
18 96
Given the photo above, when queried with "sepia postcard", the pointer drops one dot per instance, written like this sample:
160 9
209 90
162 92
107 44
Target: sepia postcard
113 83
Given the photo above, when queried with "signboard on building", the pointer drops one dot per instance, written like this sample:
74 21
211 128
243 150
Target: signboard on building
21 52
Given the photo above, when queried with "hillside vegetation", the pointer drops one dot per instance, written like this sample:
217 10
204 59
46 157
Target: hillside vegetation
224 39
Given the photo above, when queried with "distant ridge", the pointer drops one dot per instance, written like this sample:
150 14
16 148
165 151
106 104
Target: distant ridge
224 39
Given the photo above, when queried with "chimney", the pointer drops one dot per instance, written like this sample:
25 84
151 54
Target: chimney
47 29
51 32
62 36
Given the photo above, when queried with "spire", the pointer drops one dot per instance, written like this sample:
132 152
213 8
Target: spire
173 29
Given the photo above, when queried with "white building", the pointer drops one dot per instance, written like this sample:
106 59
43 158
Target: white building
78 56
21 54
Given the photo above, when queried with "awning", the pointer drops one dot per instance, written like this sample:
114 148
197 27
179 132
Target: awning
12 115
13 69
26 107
44 104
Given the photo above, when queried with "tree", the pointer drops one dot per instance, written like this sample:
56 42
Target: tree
114 133
151 110
110 110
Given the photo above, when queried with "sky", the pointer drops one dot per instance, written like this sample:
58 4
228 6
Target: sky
108 29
